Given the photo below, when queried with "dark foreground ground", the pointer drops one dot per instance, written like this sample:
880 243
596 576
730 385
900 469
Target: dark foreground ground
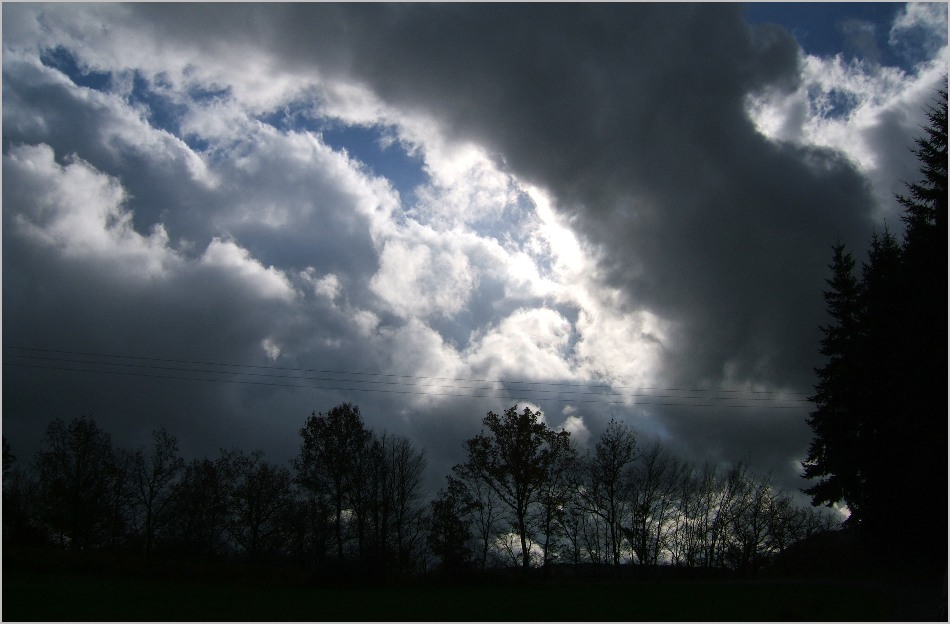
67 590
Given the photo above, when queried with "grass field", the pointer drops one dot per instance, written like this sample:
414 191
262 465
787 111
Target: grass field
30 595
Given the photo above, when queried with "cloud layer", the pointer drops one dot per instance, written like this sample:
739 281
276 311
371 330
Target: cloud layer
636 200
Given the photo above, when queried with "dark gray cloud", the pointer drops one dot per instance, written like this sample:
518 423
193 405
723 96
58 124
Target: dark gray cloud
635 118
632 118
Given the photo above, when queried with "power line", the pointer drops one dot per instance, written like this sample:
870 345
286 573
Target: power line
389 391
611 388
396 383
148 371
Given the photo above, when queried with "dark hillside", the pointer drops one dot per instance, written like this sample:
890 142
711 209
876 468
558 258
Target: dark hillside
69 586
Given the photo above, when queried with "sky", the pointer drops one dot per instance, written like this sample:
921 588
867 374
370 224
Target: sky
218 219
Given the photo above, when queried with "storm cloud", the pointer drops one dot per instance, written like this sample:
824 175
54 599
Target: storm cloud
613 200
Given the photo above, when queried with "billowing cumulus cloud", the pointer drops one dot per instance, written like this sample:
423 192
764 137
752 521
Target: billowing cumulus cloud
78 212
605 210
419 281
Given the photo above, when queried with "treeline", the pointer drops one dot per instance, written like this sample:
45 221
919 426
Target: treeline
880 417
353 501
350 497
526 496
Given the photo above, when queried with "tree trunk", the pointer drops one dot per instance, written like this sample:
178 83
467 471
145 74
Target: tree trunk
522 530
339 528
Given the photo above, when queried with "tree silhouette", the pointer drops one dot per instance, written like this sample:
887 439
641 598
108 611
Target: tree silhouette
8 457
879 422
76 468
405 467
240 504
259 494
558 489
514 459
449 533
152 482
480 509
920 436
607 490
393 501
652 493
750 520
883 386
21 513
331 462
925 207
198 510
832 455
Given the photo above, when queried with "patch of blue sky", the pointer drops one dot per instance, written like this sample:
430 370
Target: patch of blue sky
196 142
381 152
63 60
856 30
202 94
376 146
162 111
165 111
295 116
833 104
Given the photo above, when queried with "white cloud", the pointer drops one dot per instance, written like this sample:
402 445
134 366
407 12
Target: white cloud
283 179
366 321
528 344
109 38
580 434
920 24
621 348
524 278
79 212
471 226
327 286
466 186
418 351
863 110
117 128
423 280
236 263
271 349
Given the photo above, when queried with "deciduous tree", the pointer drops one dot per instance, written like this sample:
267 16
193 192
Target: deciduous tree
331 462
199 507
153 478
259 496
607 488
76 471
449 531
653 501
514 458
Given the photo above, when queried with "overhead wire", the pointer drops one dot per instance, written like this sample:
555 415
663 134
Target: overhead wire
390 375
56 359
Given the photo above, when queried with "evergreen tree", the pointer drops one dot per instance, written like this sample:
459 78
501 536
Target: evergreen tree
918 438
880 418
835 420
925 208
8 457
882 393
